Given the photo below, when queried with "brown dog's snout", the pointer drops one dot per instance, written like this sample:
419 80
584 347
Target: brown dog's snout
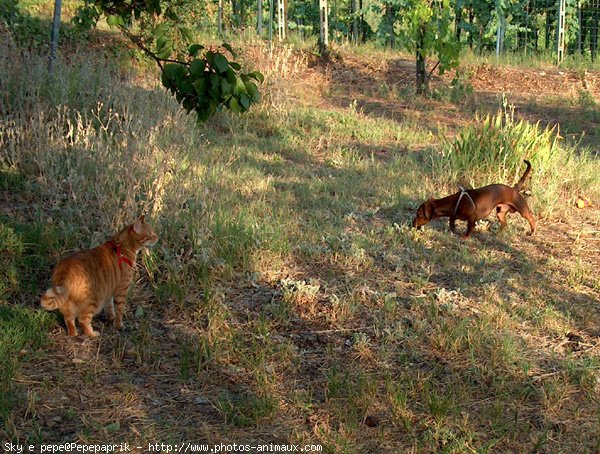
417 225
421 217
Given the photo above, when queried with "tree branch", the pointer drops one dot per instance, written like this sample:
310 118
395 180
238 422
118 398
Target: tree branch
138 42
431 72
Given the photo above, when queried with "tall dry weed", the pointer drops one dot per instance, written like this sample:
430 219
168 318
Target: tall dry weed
96 151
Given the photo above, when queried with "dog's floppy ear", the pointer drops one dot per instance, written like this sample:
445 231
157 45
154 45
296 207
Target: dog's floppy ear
428 209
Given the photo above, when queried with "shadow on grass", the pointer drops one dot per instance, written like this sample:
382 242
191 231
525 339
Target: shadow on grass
379 94
253 360
255 366
390 94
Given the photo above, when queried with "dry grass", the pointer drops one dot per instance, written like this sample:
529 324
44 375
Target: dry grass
288 299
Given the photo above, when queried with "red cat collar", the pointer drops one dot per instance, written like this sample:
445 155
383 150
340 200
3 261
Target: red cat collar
117 248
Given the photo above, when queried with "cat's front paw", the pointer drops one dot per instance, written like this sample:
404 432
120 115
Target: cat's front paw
119 325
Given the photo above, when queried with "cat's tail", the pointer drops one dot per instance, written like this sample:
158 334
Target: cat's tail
54 298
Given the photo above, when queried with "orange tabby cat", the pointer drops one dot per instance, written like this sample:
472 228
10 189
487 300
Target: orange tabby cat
88 281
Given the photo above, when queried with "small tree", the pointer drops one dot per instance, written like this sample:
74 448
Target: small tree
430 34
202 80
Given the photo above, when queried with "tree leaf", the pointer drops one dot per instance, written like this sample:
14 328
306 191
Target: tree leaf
210 57
188 104
221 63
112 20
226 87
161 30
203 114
214 93
165 53
215 81
186 87
257 76
239 87
197 67
194 49
170 14
201 85
234 105
167 81
231 76
161 42
201 80
174 71
252 91
245 101
230 49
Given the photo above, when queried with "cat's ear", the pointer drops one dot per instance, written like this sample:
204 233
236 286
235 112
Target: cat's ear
137 225
143 218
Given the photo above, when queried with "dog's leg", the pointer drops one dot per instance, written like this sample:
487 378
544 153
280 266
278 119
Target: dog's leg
501 215
521 206
453 224
527 215
470 227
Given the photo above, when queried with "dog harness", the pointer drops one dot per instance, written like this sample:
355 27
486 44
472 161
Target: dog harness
116 247
463 192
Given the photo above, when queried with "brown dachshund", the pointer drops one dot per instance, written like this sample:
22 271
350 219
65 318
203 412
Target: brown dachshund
474 204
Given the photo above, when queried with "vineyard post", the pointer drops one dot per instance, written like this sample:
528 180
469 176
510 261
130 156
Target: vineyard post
323 26
54 36
259 18
271 20
220 17
354 23
560 32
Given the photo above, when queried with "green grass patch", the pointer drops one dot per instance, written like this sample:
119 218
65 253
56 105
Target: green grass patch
26 250
246 409
22 331
11 180
11 248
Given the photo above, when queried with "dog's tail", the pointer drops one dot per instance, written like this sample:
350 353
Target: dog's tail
525 175
54 297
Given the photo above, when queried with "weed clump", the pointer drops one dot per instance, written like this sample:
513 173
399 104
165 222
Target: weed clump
21 329
492 150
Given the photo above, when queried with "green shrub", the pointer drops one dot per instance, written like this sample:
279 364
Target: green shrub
24 28
9 11
493 149
25 251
